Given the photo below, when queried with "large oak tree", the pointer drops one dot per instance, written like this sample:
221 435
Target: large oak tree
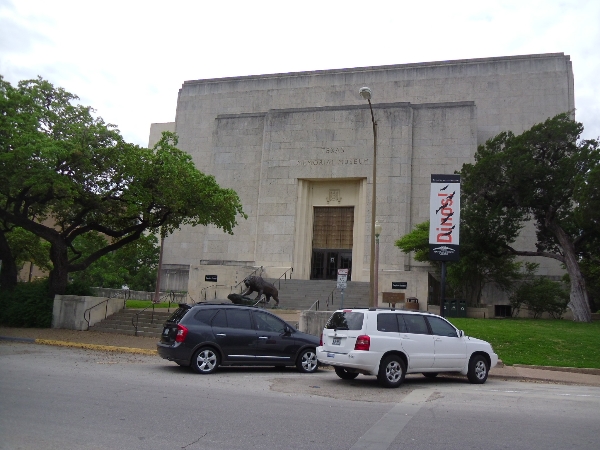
64 173
548 176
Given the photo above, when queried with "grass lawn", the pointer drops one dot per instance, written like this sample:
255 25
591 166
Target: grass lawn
559 343
141 304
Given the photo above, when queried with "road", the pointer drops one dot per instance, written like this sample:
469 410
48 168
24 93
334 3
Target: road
63 398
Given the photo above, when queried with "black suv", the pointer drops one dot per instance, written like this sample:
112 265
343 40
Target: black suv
207 335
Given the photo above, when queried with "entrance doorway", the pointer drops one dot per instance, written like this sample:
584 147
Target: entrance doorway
333 229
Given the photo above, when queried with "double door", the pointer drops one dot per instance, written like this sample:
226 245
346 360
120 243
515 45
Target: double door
326 262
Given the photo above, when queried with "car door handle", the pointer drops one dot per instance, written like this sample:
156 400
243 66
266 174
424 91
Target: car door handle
437 339
221 334
263 337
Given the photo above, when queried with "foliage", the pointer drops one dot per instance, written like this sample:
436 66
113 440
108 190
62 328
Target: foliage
547 176
133 265
27 247
27 305
60 163
560 343
480 264
539 296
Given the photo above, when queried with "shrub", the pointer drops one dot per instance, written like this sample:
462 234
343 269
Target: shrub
539 296
30 305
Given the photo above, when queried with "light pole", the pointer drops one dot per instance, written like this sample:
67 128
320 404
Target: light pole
365 93
376 282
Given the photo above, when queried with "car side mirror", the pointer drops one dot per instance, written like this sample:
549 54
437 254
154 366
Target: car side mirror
461 333
287 330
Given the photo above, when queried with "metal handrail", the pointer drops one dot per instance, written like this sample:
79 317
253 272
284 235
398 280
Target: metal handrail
284 274
89 311
137 316
317 303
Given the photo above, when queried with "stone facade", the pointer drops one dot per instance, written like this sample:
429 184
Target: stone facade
287 143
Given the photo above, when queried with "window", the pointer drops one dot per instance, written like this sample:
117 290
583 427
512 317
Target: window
388 323
266 322
238 319
204 316
345 321
220 320
440 327
415 324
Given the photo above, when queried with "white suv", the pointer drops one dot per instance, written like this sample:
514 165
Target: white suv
390 343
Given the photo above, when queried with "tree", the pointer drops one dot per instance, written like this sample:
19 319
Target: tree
549 177
60 163
480 263
133 265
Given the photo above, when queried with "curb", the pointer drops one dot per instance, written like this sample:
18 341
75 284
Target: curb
106 348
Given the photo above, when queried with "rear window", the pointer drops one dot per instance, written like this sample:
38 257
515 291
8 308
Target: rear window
178 314
342 320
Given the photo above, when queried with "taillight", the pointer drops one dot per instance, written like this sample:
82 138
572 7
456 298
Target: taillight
321 341
181 333
363 342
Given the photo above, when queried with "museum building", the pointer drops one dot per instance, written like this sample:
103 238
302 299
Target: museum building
298 150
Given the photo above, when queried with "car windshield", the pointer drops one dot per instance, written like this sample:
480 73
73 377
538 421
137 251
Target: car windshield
345 320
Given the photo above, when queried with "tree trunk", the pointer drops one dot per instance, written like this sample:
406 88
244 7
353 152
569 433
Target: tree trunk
59 275
8 270
578 303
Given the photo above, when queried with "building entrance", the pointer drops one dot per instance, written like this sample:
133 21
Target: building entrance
333 229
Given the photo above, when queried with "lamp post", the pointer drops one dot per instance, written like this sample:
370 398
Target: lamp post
376 281
365 93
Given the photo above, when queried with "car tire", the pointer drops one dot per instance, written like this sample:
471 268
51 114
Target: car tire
478 369
307 361
391 371
205 361
430 374
344 374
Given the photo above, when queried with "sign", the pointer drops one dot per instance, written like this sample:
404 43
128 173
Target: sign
399 284
211 278
342 277
444 218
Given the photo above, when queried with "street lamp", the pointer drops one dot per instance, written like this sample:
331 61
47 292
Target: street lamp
376 281
365 93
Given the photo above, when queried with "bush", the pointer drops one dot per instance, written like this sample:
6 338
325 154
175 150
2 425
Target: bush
539 296
29 305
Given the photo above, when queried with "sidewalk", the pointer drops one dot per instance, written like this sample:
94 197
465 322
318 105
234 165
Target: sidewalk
144 345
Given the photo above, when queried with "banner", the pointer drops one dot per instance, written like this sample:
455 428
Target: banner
444 218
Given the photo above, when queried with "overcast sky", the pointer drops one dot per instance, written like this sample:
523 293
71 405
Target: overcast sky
128 58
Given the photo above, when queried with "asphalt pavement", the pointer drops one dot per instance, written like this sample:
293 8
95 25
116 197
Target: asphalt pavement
144 345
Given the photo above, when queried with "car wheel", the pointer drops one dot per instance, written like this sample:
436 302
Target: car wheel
478 369
205 361
430 374
391 371
307 361
344 374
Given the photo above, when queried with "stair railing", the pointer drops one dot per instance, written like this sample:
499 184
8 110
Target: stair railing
88 311
284 276
317 303
137 316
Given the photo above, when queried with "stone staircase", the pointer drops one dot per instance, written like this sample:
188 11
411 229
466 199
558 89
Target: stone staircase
302 294
148 325
294 295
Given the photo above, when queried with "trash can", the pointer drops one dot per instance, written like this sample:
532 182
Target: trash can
452 310
462 308
412 303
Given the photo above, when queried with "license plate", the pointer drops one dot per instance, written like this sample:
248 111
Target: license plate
336 341
331 355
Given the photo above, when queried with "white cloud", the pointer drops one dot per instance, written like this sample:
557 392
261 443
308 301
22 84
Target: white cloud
128 59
